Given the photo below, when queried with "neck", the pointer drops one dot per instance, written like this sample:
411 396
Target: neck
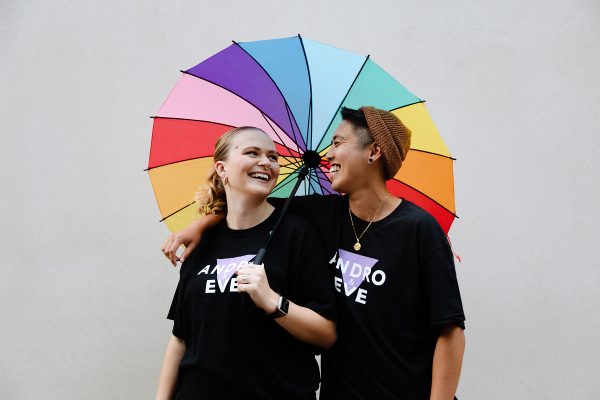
246 214
365 203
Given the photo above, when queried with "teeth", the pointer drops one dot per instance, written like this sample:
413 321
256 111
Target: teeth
334 169
258 175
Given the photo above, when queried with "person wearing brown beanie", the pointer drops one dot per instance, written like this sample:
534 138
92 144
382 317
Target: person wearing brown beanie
400 316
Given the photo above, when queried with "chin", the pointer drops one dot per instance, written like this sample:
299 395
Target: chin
338 186
263 192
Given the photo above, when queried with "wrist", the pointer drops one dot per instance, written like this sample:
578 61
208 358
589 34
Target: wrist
281 309
272 303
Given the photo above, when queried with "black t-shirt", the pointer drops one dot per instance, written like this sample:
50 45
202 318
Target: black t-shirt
392 297
233 350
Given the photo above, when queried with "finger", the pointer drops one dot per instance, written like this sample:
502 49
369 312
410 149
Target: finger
243 287
188 250
244 270
172 250
166 250
165 245
245 279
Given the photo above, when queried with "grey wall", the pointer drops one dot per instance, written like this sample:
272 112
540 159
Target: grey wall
514 88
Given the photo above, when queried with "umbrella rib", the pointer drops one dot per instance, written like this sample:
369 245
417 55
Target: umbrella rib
274 83
176 162
175 212
237 95
309 122
429 197
190 119
407 105
279 137
288 179
308 183
290 116
294 166
342 102
295 163
433 154
313 177
310 116
291 162
298 163
325 176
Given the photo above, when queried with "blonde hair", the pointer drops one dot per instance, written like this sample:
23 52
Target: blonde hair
210 197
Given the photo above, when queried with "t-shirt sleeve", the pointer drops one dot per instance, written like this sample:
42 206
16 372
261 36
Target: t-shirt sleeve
445 305
314 284
176 311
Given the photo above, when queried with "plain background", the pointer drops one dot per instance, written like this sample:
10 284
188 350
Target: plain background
513 87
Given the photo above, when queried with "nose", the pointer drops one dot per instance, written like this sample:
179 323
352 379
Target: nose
329 154
265 162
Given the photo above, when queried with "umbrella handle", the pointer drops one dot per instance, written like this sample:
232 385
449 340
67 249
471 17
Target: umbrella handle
258 259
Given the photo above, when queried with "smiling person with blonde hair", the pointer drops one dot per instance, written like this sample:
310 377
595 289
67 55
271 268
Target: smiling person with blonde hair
242 330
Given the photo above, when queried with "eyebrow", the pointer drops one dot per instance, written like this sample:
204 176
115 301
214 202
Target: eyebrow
258 148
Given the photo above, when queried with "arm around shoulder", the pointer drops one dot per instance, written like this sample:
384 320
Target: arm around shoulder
189 237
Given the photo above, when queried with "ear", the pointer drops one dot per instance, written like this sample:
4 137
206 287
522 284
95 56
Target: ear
220 168
375 152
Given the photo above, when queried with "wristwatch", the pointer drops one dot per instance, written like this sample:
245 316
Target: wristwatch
282 308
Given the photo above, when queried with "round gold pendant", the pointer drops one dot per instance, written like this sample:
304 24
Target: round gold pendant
357 246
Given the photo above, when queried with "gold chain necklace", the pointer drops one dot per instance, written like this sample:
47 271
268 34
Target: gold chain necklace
357 245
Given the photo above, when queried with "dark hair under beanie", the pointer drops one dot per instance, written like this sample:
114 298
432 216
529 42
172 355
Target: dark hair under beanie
392 137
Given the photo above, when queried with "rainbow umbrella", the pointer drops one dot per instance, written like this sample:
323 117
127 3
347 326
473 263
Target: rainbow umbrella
293 89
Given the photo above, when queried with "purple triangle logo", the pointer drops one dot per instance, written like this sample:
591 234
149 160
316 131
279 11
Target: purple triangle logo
226 267
354 269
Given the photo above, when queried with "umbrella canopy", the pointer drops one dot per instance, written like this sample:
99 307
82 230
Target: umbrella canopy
293 89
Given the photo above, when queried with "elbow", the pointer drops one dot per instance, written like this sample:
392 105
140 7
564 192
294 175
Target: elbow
330 341
329 337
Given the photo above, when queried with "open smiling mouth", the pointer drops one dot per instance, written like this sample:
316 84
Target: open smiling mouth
334 169
260 176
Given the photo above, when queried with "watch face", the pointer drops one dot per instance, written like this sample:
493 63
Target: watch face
285 305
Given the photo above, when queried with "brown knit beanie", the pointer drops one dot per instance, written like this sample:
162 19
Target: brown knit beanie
392 137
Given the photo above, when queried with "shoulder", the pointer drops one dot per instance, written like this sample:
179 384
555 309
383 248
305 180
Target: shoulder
409 212
295 231
424 224
428 233
293 222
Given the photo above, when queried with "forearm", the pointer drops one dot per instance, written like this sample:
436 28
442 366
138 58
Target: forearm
308 326
200 225
447 363
169 369
301 322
